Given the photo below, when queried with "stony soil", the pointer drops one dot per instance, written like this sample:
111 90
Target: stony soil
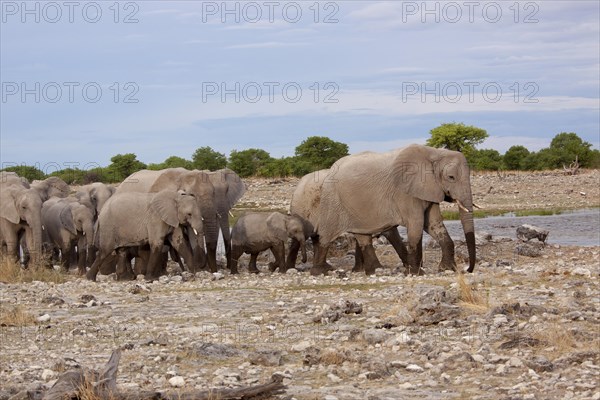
519 327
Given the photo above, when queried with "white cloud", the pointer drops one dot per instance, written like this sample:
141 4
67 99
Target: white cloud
264 45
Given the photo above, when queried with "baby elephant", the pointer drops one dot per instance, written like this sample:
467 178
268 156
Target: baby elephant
256 232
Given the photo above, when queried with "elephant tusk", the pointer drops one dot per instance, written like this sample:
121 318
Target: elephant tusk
460 205
230 214
195 231
478 206
83 233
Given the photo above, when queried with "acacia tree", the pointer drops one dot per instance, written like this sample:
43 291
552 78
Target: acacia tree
122 166
457 136
514 158
207 158
320 152
248 162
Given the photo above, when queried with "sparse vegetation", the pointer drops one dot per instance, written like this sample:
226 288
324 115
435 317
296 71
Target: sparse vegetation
11 272
15 316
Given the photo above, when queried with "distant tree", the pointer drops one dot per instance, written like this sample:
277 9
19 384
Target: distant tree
207 158
172 162
320 152
72 176
594 159
248 162
485 160
514 158
122 166
565 147
456 136
277 168
27 171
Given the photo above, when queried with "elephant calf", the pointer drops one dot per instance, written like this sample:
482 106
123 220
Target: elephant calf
256 232
68 223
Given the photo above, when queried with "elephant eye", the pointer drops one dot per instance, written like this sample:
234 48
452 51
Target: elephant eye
451 178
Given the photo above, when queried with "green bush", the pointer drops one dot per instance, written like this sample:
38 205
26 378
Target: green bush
207 158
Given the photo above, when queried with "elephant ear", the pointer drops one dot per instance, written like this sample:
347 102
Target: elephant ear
164 205
235 187
415 173
8 208
66 220
277 224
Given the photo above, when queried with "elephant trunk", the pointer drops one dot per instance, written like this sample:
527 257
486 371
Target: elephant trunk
466 219
36 243
303 250
196 235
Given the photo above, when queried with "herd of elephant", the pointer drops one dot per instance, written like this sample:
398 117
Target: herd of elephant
178 212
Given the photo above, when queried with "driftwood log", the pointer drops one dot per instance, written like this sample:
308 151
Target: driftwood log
91 385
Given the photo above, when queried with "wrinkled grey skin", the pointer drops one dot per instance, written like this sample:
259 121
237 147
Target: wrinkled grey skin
27 229
150 219
196 183
229 188
96 194
256 232
305 203
368 193
68 224
20 220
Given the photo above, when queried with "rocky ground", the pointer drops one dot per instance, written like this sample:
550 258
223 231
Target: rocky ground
518 328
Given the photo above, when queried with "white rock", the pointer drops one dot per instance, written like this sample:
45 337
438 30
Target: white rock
217 276
48 374
43 318
330 397
582 271
406 386
334 378
414 368
301 346
514 362
177 381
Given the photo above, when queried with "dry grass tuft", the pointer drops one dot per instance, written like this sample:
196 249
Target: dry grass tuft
469 298
17 316
11 272
557 338
87 390
333 357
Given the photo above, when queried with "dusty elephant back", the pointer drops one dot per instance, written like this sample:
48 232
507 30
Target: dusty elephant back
122 221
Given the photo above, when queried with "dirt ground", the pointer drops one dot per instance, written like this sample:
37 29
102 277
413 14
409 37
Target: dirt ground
519 327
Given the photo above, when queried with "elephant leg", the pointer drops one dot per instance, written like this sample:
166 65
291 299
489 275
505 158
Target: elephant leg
414 255
252 265
180 247
320 265
154 262
393 236
211 253
124 270
279 253
11 241
109 265
81 256
176 257
359 264
236 253
434 226
370 261
66 256
93 271
290 261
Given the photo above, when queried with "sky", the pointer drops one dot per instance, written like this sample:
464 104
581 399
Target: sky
84 80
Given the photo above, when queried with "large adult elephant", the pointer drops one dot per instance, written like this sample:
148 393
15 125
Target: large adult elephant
138 219
305 204
229 188
68 224
196 183
20 218
51 187
369 192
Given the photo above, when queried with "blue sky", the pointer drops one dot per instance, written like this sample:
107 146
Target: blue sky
89 80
